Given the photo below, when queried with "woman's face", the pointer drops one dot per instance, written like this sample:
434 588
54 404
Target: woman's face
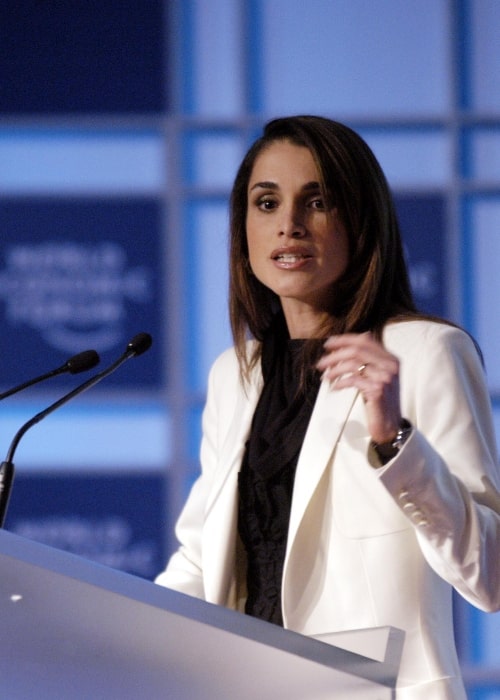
297 247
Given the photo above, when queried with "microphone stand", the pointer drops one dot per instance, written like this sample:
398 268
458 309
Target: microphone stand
139 344
6 479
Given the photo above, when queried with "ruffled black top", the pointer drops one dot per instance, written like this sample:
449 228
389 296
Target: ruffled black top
268 469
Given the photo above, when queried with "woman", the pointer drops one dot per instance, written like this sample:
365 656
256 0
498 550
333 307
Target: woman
349 472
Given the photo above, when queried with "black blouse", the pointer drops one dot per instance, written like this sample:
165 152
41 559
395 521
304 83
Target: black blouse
268 471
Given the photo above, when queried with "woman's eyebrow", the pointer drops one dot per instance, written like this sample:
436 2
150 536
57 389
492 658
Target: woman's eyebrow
313 185
268 185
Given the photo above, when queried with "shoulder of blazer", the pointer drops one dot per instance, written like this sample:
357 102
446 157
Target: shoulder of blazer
227 394
410 336
226 370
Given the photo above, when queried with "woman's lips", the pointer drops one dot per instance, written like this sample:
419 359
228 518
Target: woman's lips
290 257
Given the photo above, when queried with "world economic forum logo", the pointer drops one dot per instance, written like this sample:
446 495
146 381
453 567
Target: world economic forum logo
75 294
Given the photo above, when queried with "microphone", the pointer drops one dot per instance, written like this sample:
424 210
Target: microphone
137 346
78 363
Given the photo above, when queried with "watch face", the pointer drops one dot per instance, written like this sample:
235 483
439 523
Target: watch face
402 435
388 450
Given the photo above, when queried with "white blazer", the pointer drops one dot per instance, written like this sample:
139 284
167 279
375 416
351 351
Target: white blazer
366 546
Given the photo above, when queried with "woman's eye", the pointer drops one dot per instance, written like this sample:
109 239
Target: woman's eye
266 204
317 203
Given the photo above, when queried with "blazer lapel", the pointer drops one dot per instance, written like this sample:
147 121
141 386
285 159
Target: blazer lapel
232 450
221 516
329 416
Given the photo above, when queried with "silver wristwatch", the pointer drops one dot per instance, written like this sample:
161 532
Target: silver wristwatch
387 450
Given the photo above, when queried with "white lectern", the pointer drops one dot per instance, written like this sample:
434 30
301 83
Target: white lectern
74 630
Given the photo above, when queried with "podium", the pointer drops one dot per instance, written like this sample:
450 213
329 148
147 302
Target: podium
73 629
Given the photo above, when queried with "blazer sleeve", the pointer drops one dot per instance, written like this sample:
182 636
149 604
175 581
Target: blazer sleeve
446 478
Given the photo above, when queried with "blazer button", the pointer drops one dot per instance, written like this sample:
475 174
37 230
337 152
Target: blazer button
418 517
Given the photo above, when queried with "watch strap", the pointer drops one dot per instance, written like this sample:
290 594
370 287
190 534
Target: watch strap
387 450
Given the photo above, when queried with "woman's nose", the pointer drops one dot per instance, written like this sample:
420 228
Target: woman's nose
292 224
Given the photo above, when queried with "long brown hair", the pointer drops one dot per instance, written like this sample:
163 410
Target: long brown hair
375 286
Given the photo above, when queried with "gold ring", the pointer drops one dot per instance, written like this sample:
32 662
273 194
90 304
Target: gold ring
361 369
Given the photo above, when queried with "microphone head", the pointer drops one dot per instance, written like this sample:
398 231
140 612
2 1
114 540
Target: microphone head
139 344
82 362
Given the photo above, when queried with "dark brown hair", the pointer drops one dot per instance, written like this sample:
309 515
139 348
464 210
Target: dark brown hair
374 287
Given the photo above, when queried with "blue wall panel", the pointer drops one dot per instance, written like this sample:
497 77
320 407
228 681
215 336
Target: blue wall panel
114 519
422 219
78 274
82 56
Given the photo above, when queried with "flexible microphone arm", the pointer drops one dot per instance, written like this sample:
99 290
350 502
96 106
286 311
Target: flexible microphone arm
78 363
139 344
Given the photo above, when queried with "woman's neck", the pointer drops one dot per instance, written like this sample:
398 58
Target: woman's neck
305 324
